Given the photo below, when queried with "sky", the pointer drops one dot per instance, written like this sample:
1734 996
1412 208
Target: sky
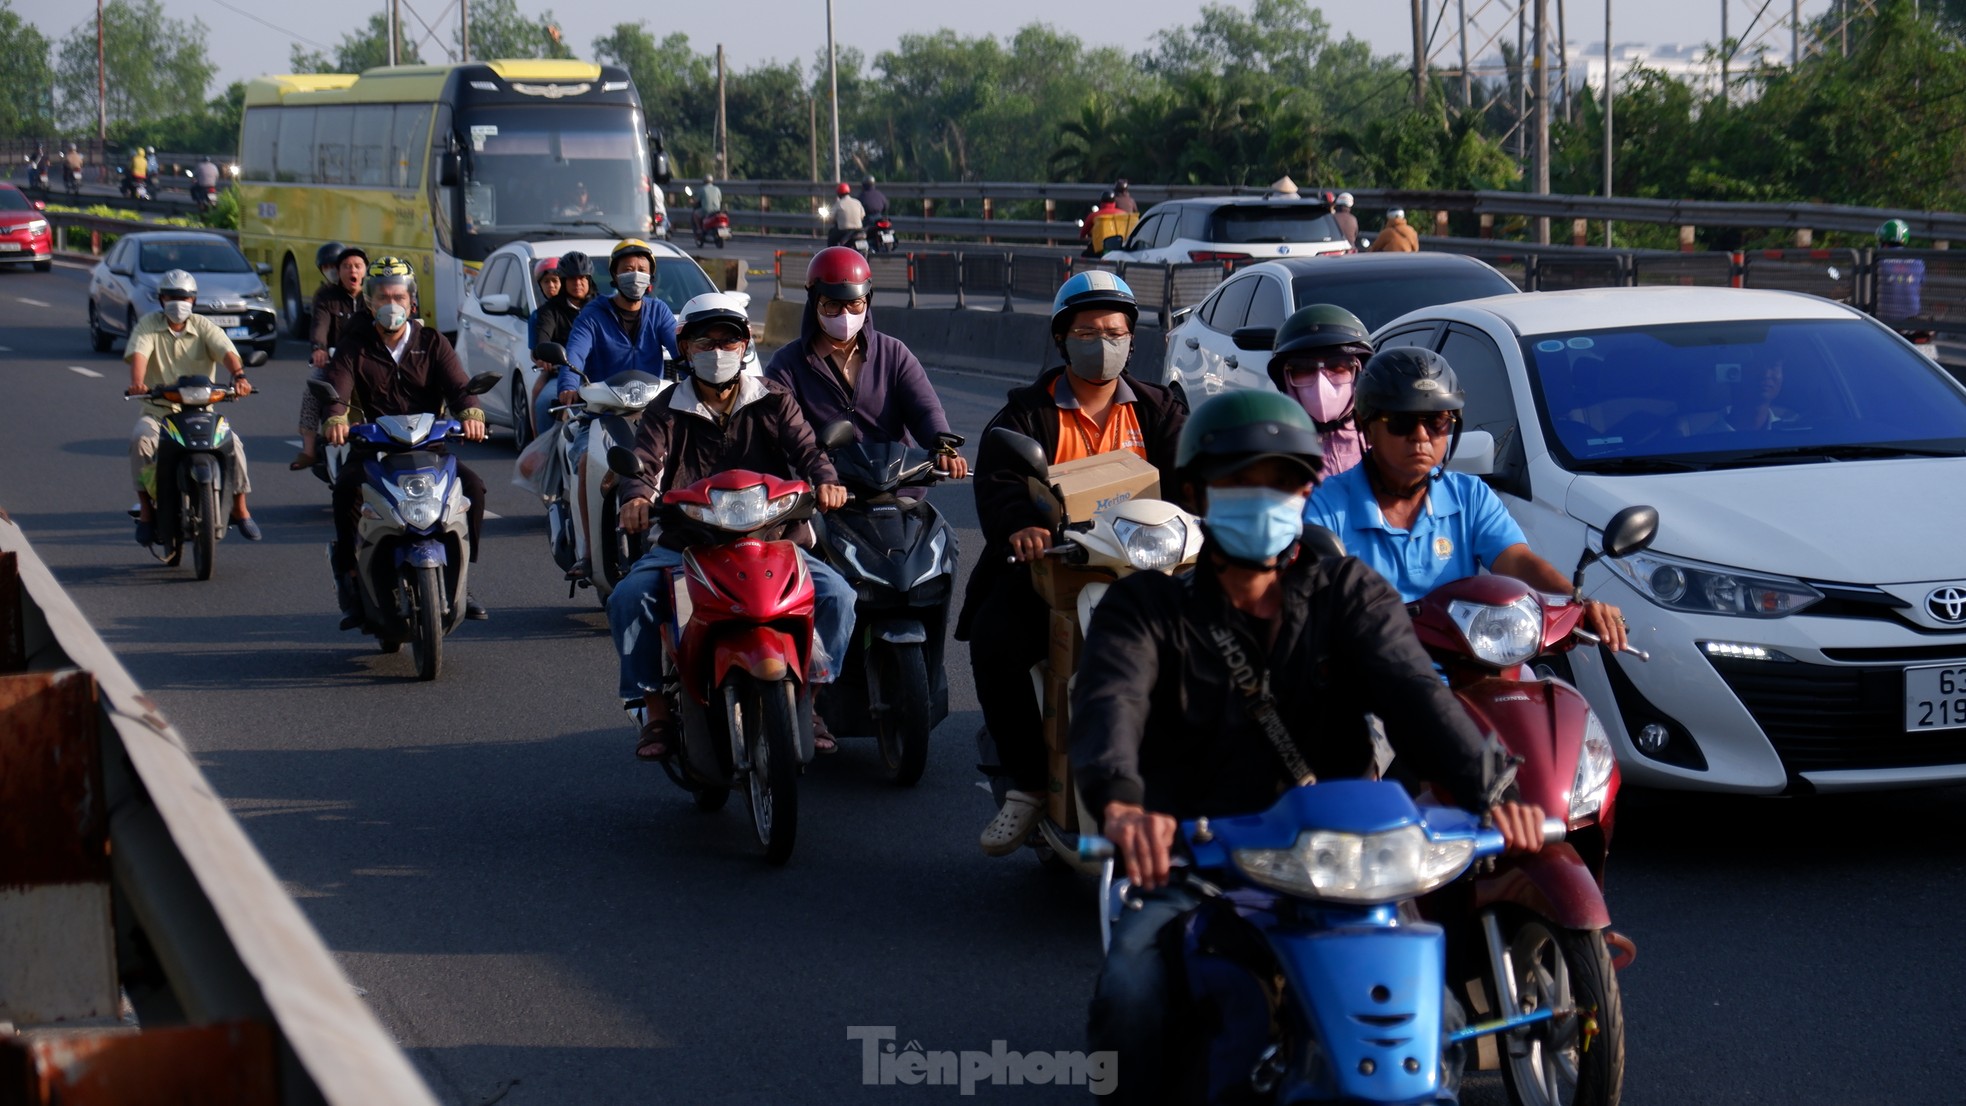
244 46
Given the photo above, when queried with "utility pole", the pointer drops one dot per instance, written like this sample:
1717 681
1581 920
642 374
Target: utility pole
1610 83
1795 34
463 30
723 130
1419 54
1563 54
102 86
833 80
1726 53
812 108
1542 115
395 22
1467 81
1521 82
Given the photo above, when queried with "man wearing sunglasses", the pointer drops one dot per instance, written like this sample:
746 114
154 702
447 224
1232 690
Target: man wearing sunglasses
1402 513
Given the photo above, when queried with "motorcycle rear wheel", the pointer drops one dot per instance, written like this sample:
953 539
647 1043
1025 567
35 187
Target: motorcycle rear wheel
204 506
427 621
1564 1063
898 699
765 716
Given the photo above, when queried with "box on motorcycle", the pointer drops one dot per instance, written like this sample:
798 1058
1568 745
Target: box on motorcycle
1091 484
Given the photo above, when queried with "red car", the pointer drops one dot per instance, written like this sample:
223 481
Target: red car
24 233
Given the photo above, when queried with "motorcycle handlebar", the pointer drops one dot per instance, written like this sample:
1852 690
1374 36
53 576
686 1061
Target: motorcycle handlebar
1554 830
1589 638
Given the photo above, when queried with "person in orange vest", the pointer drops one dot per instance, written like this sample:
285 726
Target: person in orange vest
1397 237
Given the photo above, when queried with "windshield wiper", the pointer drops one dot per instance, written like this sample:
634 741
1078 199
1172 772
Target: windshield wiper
610 231
1629 465
1848 452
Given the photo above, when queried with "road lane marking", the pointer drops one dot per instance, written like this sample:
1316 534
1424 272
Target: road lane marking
6 349
90 373
295 442
33 303
493 514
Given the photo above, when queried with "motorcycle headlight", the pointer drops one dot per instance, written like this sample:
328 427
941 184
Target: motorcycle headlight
1683 585
741 510
1594 765
1502 636
418 501
1153 548
194 397
635 393
1358 868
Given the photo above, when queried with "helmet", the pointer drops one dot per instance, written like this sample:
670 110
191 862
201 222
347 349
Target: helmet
1093 288
1344 199
626 248
1396 213
328 256
709 178
1240 427
1107 197
840 273
1406 378
1894 232
842 189
867 182
351 251
712 309
177 282
1120 185
1321 326
546 266
390 272
574 264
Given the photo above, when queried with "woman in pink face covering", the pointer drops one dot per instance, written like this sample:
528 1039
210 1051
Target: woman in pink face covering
1315 360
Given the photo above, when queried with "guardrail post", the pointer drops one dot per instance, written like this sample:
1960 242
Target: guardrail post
961 302
911 280
1685 239
1579 231
1050 210
988 214
1008 261
1440 223
1487 224
928 212
1804 238
778 274
1737 265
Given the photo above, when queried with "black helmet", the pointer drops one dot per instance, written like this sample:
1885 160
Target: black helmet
1406 378
1107 197
328 256
351 251
1240 427
573 264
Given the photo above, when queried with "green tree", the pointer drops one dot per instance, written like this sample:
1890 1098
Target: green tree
154 64
357 52
212 129
500 30
677 86
27 95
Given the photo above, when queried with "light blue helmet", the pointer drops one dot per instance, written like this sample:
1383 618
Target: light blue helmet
1092 288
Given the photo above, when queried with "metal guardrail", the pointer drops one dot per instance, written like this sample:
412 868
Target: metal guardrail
97 226
124 876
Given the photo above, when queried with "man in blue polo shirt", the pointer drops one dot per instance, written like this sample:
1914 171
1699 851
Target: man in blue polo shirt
1408 518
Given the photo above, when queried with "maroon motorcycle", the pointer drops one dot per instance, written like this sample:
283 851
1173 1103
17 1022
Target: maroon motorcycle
1531 932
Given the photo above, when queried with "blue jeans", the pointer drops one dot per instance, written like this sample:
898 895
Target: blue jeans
635 615
1130 1005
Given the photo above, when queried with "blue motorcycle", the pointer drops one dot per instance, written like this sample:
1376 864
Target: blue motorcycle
1305 965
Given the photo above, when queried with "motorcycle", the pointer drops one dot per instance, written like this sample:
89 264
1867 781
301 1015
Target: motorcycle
857 238
1534 929
190 446
1307 977
1134 535
883 239
715 225
1926 341
205 196
412 552
899 552
37 175
612 409
737 632
71 179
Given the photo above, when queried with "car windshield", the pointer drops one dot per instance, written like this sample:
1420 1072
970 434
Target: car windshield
1378 300
12 200
677 281
1253 224
534 167
192 257
1739 393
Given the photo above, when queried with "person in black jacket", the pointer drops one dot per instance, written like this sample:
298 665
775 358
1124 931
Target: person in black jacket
337 303
1162 732
1089 407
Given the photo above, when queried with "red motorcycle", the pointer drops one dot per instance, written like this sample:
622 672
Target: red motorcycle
738 636
715 225
882 239
1534 930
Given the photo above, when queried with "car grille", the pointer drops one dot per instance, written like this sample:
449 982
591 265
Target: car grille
1829 717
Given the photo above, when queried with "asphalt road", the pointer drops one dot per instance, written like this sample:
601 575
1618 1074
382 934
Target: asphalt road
540 919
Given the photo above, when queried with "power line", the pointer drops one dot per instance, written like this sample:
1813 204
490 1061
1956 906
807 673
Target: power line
275 26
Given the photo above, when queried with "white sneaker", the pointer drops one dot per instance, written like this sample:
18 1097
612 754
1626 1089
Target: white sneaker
1007 832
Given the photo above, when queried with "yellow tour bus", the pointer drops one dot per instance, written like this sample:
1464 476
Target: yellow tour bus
440 165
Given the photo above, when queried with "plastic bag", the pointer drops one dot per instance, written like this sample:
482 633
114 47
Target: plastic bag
538 467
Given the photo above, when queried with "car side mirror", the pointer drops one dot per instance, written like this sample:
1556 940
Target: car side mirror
450 167
1256 339
623 461
482 383
838 434
1004 448
1320 542
263 268
42 205
498 303
1113 242
1475 455
322 391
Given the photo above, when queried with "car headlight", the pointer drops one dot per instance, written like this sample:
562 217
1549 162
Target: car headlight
418 501
195 397
38 226
1153 548
741 510
1503 636
1594 764
1683 585
1358 868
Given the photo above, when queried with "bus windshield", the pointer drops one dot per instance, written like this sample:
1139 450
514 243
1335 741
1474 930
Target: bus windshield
532 168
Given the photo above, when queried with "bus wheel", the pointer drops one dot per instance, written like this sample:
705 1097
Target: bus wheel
290 298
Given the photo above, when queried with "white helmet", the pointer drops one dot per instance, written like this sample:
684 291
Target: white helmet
177 280
1344 199
712 309
1396 213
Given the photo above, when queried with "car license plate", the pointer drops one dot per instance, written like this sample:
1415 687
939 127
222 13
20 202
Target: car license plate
225 320
237 331
10 247
1935 697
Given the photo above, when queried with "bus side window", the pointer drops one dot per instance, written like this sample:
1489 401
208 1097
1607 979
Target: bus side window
262 128
409 137
293 158
368 153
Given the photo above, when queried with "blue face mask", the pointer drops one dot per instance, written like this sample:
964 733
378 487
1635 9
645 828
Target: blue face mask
1254 524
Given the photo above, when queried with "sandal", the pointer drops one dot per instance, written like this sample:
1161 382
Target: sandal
658 734
583 569
822 738
1014 822
302 460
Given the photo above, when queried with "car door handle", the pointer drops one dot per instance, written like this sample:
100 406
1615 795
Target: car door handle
1194 343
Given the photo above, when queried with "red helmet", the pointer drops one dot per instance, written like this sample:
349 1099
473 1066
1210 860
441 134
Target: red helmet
544 266
840 273
842 189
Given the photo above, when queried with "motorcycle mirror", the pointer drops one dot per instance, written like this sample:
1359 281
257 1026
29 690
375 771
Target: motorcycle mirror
948 440
1257 339
1004 448
1320 542
1630 531
323 391
838 434
553 353
482 383
622 461
1045 498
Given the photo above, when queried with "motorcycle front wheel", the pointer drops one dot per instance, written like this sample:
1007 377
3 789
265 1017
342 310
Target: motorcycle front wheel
203 506
765 717
898 700
1573 1060
427 621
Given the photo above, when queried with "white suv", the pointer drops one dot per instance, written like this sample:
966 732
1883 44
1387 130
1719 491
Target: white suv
1233 228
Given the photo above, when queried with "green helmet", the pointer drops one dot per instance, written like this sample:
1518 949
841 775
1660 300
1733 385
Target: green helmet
1894 232
1317 327
1238 428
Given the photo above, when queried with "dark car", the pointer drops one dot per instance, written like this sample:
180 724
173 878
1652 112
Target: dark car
123 288
1203 359
24 234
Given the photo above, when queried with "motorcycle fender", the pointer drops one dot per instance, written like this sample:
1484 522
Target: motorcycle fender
902 631
204 469
1333 973
425 553
1089 597
767 654
1553 883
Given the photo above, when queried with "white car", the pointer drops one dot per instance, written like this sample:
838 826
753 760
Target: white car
1206 355
1805 601
493 321
1233 228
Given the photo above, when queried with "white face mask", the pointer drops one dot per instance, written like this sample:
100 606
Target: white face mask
392 316
842 326
633 284
177 310
717 366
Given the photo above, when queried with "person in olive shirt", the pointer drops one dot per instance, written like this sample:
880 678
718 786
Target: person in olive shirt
337 303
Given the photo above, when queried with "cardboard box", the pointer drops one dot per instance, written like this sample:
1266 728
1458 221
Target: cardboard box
1057 743
1092 484
1059 584
1064 640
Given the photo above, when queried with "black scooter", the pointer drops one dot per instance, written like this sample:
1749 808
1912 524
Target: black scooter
899 553
191 466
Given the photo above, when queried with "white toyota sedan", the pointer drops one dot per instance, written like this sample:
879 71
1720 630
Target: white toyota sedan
1805 601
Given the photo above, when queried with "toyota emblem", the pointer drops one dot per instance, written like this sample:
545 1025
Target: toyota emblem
1947 604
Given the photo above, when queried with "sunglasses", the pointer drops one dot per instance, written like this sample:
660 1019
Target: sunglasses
1401 423
1304 374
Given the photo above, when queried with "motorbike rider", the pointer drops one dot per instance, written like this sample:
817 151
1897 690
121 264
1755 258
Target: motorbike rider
873 201
139 168
1162 730
395 366
1403 514
164 345
1123 197
848 216
1315 359
337 302
72 164
841 368
627 331
546 278
1341 213
1900 280
708 202
1106 221
1090 406
205 175
1397 236
715 420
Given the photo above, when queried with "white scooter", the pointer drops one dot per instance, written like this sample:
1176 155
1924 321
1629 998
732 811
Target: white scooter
612 410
